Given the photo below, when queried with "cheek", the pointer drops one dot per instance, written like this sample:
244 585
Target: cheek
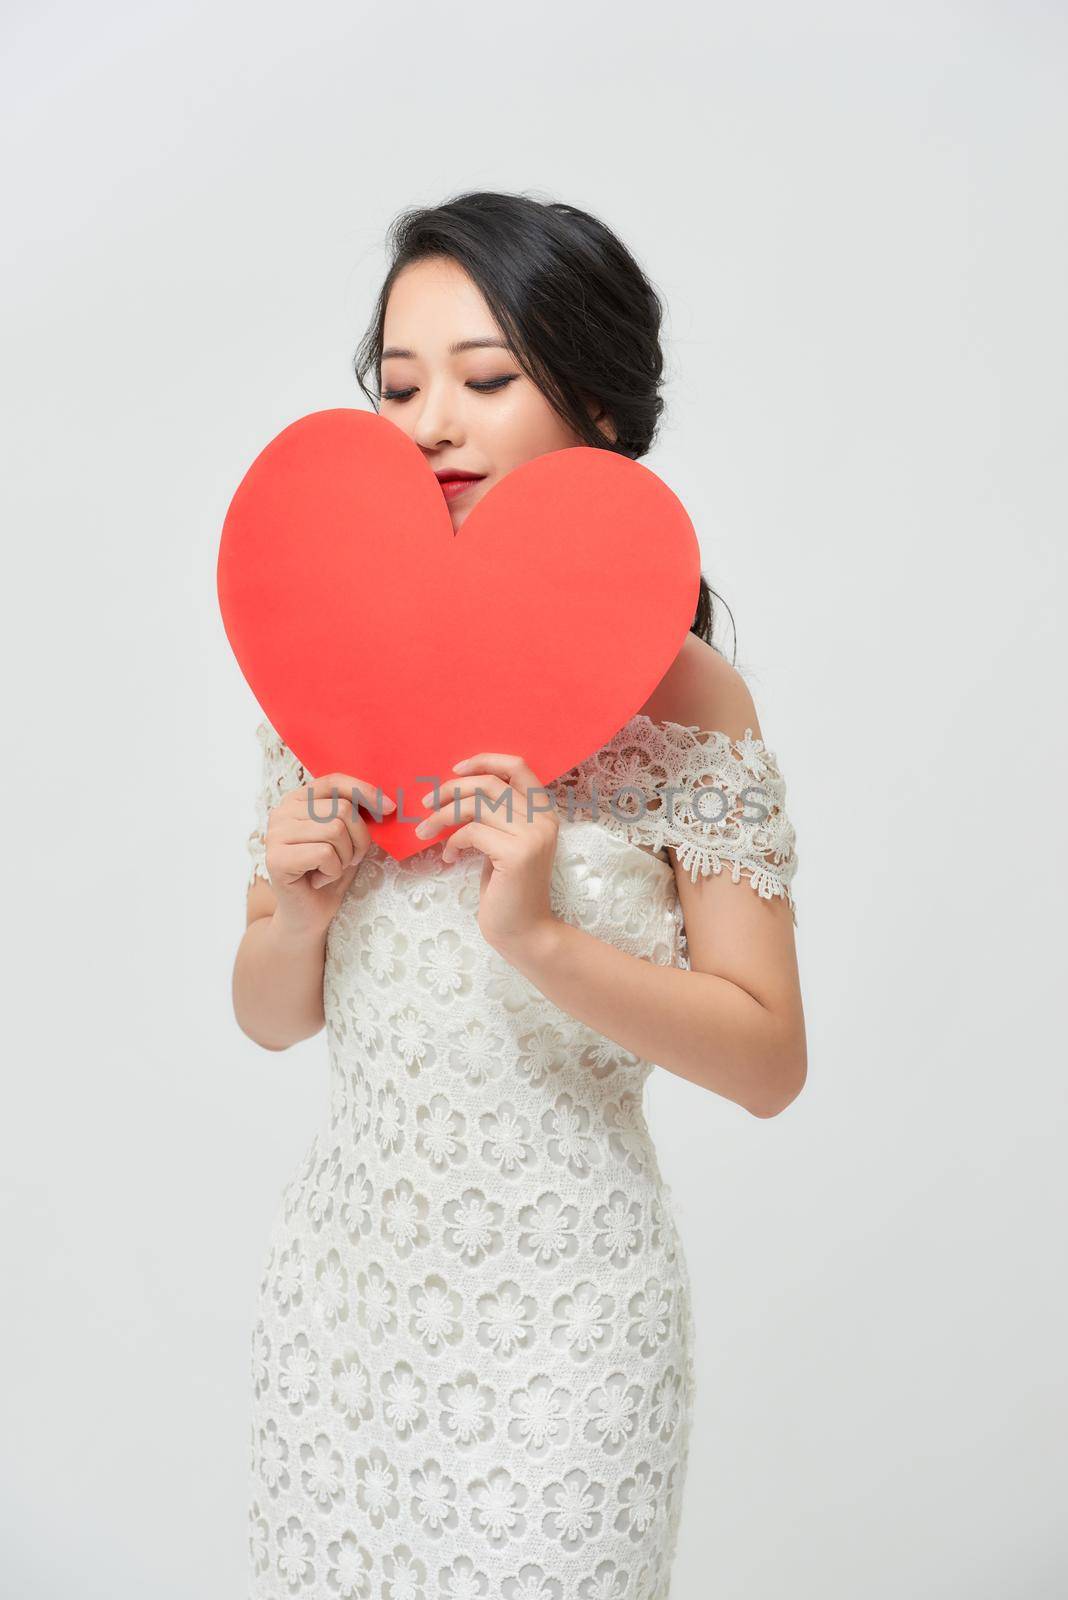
405 421
525 427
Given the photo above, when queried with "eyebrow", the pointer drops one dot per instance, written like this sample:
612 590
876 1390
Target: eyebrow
454 349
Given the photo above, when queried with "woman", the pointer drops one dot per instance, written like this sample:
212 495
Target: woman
473 1359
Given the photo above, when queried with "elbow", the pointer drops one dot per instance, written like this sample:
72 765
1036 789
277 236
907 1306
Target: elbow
247 1027
771 1107
245 1015
264 1044
276 1045
779 1089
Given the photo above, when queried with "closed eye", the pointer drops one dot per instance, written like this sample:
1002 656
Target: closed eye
483 388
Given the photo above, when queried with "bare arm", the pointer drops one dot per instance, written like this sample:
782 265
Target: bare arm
734 1023
696 1024
278 976
314 844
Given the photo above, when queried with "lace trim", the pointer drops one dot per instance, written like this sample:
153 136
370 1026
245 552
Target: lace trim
280 772
644 786
743 825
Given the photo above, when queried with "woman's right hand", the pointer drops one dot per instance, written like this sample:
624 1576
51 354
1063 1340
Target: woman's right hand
311 862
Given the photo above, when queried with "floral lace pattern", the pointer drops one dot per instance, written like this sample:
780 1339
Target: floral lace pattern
656 772
472 1360
659 785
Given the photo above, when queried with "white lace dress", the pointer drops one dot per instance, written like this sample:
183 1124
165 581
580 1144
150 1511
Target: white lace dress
472 1361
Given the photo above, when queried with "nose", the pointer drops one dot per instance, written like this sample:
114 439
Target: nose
436 421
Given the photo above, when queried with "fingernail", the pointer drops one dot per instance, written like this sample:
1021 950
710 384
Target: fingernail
458 764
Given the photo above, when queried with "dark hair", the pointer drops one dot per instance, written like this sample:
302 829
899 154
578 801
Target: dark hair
582 318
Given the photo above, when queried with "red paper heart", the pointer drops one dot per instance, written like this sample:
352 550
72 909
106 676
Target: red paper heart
382 644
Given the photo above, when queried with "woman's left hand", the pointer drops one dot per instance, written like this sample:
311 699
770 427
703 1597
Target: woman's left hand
517 838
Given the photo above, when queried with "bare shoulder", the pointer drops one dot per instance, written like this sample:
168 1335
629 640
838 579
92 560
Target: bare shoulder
702 689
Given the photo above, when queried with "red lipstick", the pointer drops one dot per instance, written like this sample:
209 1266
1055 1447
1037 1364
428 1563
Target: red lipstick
454 481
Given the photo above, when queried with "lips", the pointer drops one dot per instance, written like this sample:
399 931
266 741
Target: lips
455 483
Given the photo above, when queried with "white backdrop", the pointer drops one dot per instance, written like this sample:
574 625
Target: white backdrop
856 216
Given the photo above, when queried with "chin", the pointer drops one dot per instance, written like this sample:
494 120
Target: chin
460 513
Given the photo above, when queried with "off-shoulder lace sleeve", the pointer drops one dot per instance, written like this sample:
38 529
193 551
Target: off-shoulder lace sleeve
714 801
280 771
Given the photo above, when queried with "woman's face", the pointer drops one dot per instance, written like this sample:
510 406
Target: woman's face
468 409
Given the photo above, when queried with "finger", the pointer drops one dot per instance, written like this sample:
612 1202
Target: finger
534 800
298 823
494 843
347 835
292 861
367 793
446 793
513 769
316 879
450 799
477 807
321 812
296 802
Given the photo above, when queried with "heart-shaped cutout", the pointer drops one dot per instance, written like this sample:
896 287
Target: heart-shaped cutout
381 643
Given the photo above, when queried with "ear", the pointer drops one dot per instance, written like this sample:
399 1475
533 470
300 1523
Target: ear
604 422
